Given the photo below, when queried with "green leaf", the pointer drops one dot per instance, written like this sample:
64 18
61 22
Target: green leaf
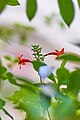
63 76
17 96
24 79
37 64
51 77
2 72
11 78
12 81
7 113
9 75
78 3
21 82
29 84
13 2
31 104
54 104
45 101
70 57
0 118
64 109
28 101
31 8
67 10
34 104
2 103
7 57
74 82
2 5
29 87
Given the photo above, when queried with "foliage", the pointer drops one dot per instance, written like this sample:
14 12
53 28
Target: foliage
37 52
66 8
31 98
20 30
63 83
54 17
31 8
13 2
78 2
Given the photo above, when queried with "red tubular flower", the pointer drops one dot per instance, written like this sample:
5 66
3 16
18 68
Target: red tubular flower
57 53
22 61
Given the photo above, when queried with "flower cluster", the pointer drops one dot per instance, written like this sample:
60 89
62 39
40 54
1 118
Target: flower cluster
57 53
23 61
43 70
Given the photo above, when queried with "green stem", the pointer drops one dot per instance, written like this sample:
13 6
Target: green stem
48 114
63 63
5 111
41 80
